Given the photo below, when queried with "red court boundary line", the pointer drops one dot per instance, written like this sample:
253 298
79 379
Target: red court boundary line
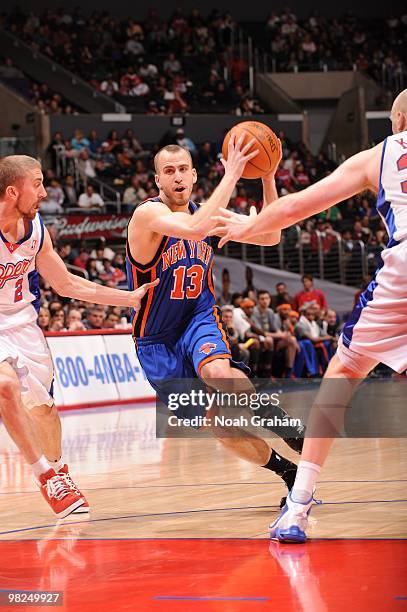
107 403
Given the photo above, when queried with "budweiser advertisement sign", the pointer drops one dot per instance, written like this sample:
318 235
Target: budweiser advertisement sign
78 226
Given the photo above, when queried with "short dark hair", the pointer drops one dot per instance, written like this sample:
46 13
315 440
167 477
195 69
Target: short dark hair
309 276
262 292
280 283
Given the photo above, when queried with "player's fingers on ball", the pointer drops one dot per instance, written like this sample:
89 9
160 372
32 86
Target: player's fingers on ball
223 162
240 142
248 145
252 154
231 144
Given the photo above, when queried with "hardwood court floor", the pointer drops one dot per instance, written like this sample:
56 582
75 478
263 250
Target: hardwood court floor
181 524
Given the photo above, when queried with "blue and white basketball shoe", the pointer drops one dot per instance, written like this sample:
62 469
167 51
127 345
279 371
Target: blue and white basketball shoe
291 524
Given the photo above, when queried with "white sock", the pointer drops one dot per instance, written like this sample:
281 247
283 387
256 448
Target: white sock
307 474
40 467
58 464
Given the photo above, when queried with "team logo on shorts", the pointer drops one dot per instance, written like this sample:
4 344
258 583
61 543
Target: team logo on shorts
207 348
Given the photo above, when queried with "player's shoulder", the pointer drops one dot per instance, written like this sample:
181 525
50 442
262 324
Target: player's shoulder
148 204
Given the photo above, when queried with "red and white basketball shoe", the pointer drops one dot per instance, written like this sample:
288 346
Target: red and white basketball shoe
58 494
64 472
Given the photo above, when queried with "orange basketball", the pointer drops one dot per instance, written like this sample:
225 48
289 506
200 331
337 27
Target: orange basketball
266 142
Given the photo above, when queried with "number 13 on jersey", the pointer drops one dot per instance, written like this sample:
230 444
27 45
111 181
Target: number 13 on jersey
194 276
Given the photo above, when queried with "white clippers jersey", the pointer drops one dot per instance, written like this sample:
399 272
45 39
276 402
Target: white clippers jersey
392 196
19 280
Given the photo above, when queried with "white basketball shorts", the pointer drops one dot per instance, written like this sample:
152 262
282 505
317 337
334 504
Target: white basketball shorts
377 327
26 350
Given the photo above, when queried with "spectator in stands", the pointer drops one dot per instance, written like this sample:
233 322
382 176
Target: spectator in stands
74 320
186 142
53 203
277 339
111 276
282 296
308 329
71 195
44 319
94 318
309 295
57 322
261 353
134 193
238 349
102 251
111 321
90 199
79 141
86 165
82 259
331 327
109 87
172 65
93 272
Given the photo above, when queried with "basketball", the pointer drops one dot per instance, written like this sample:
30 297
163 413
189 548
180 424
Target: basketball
266 142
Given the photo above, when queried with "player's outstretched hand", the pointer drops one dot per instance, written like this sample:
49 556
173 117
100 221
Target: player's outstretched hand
136 296
232 226
238 156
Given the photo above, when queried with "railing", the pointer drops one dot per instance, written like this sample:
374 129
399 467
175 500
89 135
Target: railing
77 270
69 165
336 261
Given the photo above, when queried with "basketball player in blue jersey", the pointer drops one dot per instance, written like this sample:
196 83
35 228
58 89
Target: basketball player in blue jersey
177 331
376 331
26 372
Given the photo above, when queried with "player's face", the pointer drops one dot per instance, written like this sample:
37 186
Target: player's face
30 194
176 177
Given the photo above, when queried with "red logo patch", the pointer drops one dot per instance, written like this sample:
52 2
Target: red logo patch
207 348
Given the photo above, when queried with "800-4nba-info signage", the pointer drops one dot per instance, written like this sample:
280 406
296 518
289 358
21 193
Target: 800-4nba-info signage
95 369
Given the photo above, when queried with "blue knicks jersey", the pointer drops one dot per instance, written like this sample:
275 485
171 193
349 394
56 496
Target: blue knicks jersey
184 268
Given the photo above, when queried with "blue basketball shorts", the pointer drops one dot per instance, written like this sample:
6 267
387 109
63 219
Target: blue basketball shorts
167 360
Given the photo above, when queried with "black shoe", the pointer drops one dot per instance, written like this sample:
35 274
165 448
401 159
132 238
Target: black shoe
295 443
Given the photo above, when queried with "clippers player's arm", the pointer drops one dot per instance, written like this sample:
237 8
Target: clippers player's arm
53 270
269 195
358 173
158 218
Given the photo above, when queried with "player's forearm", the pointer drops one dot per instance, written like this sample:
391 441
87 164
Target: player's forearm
270 239
81 289
269 191
347 180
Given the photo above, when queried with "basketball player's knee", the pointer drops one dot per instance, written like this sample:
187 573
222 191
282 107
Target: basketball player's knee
217 369
9 389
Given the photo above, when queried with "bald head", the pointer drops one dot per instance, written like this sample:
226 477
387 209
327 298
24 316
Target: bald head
14 169
398 115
